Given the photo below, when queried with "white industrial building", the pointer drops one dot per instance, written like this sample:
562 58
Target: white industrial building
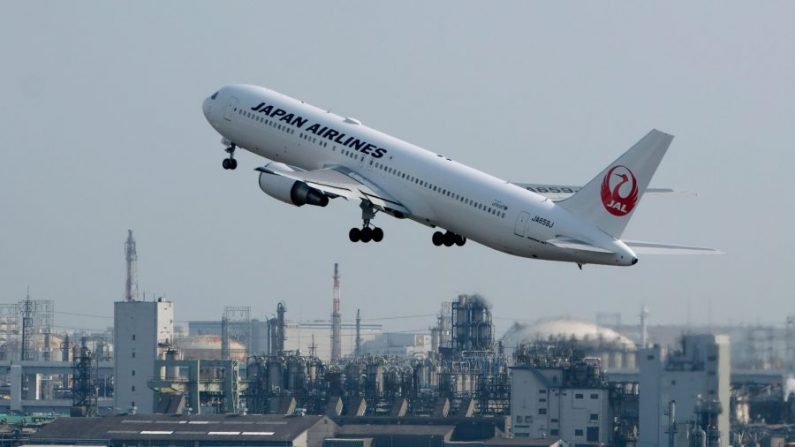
570 403
398 344
685 393
141 330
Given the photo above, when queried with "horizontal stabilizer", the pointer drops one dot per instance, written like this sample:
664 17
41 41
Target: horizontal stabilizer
575 244
654 248
557 193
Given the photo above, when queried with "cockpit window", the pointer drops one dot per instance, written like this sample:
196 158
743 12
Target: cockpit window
214 95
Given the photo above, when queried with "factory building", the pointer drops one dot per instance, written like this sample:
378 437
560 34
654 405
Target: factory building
142 330
684 394
614 350
189 431
560 395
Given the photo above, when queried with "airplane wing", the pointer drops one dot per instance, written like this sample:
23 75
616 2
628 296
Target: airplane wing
556 193
339 181
654 248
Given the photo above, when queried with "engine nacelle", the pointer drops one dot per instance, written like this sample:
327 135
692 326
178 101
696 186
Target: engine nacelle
291 191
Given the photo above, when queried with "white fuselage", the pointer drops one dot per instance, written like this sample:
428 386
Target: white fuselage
436 190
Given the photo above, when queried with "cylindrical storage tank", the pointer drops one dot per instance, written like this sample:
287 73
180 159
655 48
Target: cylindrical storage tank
275 374
630 359
616 359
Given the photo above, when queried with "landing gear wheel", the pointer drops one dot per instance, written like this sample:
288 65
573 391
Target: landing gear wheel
367 234
355 234
230 163
460 240
378 234
449 239
438 239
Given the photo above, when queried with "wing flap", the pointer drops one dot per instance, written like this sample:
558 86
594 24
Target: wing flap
655 248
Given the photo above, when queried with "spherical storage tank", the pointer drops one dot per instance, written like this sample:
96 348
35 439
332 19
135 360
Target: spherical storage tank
208 347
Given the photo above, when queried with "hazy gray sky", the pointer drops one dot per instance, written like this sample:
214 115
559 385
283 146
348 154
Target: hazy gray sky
102 130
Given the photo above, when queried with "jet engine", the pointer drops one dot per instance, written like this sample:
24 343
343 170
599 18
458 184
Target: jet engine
290 191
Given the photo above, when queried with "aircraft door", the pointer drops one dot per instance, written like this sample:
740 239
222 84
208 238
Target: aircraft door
521 224
231 105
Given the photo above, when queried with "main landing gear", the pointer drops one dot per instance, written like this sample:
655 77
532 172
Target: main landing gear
448 238
366 233
230 163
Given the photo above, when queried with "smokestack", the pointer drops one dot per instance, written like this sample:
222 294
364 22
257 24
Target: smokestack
131 256
336 319
281 328
644 334
357 351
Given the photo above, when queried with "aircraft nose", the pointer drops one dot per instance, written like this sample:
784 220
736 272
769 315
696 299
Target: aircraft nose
634 261
206 107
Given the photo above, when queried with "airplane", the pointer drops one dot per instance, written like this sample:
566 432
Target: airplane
315 155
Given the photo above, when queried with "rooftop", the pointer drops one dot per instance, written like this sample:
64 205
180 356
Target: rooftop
230 428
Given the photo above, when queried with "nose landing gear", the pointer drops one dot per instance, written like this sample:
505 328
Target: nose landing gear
230 163
448 239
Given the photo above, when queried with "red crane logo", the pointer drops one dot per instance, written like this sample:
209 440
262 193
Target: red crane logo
619 191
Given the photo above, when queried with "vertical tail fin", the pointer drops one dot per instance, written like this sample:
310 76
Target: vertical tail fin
609 200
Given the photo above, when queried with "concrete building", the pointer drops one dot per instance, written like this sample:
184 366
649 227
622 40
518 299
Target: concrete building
685 393
570 402
141 331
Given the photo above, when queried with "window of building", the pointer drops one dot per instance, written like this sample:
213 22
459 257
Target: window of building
133 354
578 432
578 396
132 388
133 337
542 399
133 372
595 396
553 421
528 419
554 432
594 417
542 411
542 391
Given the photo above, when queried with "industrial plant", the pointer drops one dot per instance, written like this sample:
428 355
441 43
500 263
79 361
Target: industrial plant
246 379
